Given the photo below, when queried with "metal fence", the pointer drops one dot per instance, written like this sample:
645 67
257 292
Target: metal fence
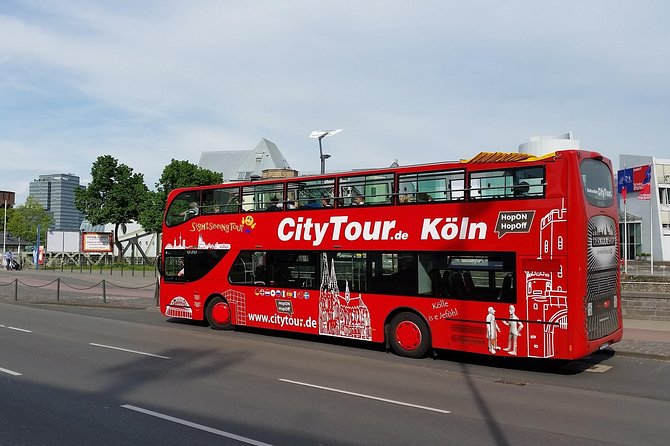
105 264
644 269
74 291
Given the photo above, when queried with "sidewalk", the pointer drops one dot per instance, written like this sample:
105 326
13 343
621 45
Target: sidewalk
94 288
645 338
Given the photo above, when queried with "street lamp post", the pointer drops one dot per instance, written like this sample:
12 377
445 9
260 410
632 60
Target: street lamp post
320 134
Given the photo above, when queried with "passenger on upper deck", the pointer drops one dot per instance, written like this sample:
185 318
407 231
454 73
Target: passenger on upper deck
521 189
359 200
191 212
275 205
423 197
311 204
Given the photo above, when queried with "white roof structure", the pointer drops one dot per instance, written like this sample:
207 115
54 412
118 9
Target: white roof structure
240 165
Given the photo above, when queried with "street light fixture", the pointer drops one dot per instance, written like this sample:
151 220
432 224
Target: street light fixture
320 134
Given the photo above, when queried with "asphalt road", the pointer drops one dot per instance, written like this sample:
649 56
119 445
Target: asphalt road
71 375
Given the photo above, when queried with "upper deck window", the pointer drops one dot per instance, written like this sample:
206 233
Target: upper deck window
524 182
221 201
597 182
262 197
431 187
312 194
366 189
184 207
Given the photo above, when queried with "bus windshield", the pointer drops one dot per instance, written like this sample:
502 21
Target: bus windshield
597 182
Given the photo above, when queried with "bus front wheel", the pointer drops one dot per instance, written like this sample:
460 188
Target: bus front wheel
218 314
409 336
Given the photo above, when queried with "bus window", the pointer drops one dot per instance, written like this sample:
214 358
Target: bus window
597 182
262 197
431 187
394 273
293 269
485 277
249 268
528 182
287 269
190 264
525 182
174 265
184 206
373 189
220 201
351 270
311 194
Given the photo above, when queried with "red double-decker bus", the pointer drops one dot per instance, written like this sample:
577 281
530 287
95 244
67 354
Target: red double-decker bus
504 254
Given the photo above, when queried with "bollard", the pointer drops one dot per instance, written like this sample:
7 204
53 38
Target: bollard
58 290
16 289
104 292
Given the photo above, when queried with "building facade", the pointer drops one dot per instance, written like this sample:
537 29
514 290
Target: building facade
56 194
648 235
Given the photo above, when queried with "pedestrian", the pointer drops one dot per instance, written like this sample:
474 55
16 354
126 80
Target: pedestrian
8 259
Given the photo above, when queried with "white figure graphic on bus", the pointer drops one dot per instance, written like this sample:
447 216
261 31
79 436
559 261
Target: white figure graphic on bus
515 327
492 330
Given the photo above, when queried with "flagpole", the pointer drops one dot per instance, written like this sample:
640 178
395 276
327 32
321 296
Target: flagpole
625 221
651 219
4 231
625 237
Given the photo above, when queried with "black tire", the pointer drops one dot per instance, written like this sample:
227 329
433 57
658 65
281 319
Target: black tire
218 314
408 335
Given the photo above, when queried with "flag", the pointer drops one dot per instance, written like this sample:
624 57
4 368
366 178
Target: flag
645 192
645 187
641 176
623 190
625 179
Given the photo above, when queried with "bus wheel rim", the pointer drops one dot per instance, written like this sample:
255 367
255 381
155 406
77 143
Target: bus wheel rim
408 335
221 313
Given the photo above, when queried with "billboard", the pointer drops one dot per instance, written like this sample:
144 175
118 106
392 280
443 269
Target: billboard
63 241
97 242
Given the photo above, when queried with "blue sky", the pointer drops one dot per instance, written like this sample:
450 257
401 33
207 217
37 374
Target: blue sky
416 81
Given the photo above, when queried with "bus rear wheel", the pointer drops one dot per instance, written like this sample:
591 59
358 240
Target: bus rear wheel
218 314
409 336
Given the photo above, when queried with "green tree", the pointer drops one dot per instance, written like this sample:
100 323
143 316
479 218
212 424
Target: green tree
116 195
25 218
175 175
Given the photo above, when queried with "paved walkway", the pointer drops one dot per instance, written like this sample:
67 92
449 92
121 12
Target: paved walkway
645 338
641 337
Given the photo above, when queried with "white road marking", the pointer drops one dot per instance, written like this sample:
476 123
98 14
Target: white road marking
17 329
10 372
211 430
432 409
129 351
